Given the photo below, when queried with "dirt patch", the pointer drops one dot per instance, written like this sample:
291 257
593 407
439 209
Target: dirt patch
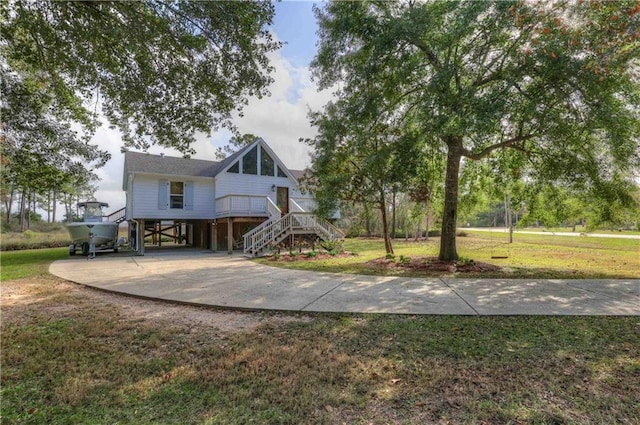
306 256
22 299
432 265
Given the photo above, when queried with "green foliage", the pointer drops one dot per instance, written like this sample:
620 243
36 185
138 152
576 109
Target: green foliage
404 259
235 144
334 245
29 263
159 70
542 91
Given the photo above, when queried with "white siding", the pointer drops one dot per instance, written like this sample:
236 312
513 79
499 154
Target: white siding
145 199
248 184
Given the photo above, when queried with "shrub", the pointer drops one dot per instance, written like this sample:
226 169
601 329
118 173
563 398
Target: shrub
390 257
435 233
404 260
462 234
335 245
312 254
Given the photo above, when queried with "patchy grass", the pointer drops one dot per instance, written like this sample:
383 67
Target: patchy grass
540 256
29 263
68 359
30 239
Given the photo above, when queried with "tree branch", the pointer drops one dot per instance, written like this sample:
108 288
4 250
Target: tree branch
510 143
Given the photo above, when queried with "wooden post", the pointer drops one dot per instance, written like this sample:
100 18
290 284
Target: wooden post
230 235
140 236
214 236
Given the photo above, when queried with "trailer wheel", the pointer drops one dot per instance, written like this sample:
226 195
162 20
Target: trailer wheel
85 248
72 249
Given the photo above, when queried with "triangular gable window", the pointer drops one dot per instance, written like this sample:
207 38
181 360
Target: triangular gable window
266 164
235 168
281 173
250 162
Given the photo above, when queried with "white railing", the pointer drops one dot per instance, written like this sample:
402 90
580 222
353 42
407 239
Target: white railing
117 216
273 210
292 223
274 215
307 204
294 206
233 205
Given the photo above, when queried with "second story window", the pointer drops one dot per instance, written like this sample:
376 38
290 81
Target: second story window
250 162
176 195
266 164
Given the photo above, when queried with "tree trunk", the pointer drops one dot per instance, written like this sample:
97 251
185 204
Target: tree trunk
53 206
22 207
393 215
448 251
385 225
367 219
9 205
426 221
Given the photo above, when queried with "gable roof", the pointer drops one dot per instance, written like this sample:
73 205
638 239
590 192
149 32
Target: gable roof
141 162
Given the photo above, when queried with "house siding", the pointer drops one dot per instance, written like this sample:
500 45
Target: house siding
255 185
146 198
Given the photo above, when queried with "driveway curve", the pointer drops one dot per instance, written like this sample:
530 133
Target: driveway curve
221 280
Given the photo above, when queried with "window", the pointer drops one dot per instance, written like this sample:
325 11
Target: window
235 168
281 173
176 195
266 164
250 162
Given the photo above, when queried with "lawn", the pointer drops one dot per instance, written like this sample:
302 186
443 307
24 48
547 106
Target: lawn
69 356
542 256
29 263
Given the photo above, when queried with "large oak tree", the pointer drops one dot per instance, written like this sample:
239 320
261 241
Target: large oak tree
554 84
158 70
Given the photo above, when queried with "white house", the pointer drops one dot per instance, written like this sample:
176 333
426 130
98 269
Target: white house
250 200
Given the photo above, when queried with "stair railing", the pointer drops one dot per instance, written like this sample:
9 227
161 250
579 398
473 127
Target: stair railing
117 216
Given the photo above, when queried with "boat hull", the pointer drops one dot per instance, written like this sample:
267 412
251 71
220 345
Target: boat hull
103 233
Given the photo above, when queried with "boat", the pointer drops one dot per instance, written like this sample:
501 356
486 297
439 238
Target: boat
94 232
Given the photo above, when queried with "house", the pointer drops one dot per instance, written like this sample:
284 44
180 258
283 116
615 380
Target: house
249 201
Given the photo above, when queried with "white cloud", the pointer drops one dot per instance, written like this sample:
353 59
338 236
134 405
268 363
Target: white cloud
280 119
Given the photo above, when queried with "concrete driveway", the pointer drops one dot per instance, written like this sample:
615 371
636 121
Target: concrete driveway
221 280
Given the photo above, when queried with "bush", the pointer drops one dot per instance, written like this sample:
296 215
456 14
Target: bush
435 233
390 257
404 260
462 234
336 246
30 239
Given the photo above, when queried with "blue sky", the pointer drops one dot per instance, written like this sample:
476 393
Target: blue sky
295 24
281 119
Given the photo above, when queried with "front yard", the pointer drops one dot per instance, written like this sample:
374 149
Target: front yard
75 355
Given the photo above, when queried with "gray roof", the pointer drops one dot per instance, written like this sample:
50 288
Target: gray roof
138 162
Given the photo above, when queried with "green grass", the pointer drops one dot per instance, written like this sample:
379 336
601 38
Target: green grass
579 229
30 239
29 263
67 359
542 256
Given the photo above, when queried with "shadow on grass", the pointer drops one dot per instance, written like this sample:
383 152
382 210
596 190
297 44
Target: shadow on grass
90 363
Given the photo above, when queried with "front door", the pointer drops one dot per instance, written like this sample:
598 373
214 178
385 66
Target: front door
282 199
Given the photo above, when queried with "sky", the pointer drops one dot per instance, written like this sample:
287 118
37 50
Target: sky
280 119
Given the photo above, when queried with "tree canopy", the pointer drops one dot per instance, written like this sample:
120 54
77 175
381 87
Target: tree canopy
548 89
158 70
